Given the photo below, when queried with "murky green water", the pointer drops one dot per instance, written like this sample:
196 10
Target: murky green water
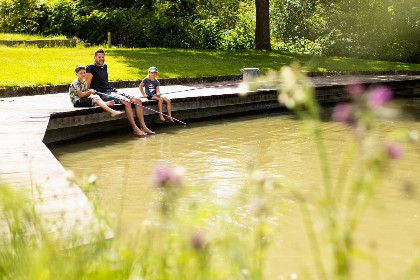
215 154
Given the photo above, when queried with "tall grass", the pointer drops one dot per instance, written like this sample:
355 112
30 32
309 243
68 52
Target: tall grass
207 241
30 66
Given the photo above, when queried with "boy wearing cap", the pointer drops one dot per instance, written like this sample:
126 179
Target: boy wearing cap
81 97
150 89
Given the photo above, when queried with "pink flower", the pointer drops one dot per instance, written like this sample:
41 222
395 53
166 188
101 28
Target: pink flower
394 150
342 112
379 96
198 240
354 88
164 175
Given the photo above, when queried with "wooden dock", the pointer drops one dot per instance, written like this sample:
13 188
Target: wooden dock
27 123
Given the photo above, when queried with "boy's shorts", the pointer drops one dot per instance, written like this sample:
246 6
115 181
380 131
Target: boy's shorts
116 96
84 102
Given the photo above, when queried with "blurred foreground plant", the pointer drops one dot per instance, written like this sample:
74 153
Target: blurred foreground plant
342 202
190 238
35 247
208 239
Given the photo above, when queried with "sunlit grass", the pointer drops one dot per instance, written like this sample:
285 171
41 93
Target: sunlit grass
16 36
30 66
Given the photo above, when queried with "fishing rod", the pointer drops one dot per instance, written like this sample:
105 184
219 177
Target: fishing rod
198 88
148 108
184 90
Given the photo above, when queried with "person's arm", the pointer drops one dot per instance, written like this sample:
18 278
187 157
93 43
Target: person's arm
158 91
88 79
141 86
84 94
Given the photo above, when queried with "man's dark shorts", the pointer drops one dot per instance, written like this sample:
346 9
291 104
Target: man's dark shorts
115 95
84 102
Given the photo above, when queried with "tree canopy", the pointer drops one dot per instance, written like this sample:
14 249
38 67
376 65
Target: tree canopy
379 29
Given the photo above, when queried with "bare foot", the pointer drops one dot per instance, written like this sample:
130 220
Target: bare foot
116 113
140 133
171 119
161 117
146 130
110 103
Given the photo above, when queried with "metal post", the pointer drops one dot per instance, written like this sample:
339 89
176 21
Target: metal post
250 74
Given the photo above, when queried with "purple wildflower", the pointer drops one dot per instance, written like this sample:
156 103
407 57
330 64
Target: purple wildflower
164 175
379 96
394 150
342 112
197 240
354 88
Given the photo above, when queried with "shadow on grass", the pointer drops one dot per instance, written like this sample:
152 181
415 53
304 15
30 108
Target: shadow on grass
186 62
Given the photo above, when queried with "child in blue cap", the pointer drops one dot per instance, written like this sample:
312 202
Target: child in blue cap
150 88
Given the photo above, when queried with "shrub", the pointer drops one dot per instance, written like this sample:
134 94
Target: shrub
60 17
18 16
207 34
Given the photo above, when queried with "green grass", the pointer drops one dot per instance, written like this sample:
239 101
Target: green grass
30 66
15 36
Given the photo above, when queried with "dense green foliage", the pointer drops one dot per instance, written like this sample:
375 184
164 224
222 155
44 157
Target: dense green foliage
376 29
182 24
379 29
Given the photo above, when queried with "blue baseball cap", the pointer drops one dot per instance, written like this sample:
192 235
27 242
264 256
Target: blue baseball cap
153 69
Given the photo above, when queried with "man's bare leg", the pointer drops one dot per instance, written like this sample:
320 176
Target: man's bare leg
129 112
140 117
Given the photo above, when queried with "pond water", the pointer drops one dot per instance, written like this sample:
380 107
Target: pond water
216 153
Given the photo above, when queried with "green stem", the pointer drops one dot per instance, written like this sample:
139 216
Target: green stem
315 248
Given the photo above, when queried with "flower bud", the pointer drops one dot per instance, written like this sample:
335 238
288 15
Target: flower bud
394 150
197 240
379 96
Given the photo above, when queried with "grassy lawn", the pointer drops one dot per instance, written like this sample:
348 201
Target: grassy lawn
15 36
23 66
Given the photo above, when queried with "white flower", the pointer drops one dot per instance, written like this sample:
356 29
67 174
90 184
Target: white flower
92 179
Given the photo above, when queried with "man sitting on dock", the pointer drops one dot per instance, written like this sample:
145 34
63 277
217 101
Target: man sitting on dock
97 79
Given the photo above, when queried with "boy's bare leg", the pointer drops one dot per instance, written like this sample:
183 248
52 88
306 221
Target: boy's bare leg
104 106
160 101
168 108
140 117
129 112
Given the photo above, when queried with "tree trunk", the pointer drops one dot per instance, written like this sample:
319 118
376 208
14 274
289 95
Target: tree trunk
262 28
